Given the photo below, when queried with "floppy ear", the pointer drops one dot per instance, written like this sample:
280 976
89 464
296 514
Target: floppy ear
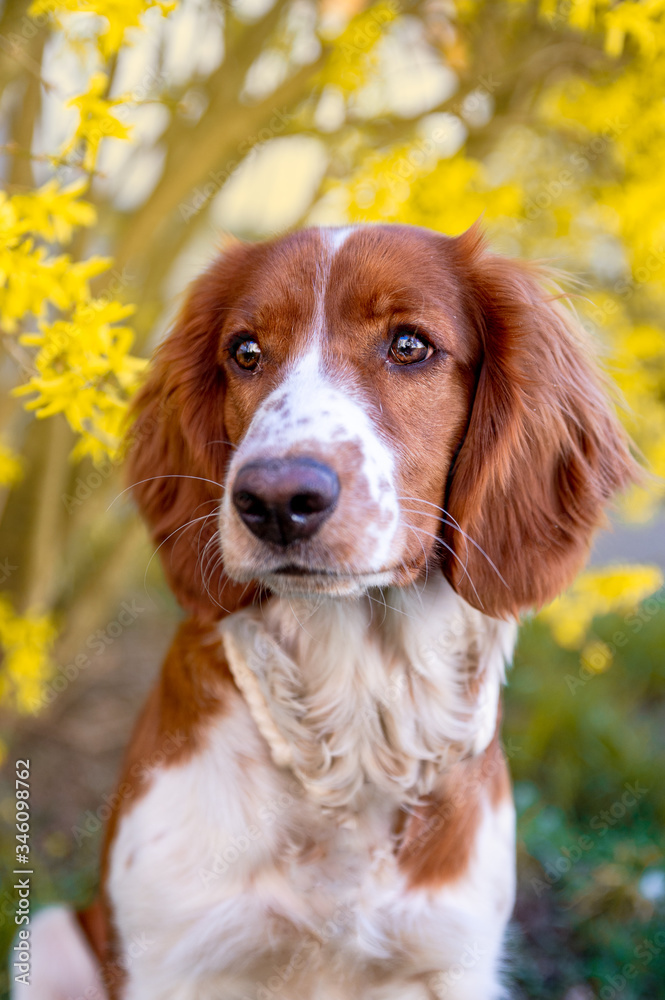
178 450
543 451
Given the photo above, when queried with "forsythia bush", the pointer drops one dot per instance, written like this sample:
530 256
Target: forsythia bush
79 361
563 162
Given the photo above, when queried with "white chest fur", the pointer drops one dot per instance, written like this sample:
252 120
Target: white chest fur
382 695
268 858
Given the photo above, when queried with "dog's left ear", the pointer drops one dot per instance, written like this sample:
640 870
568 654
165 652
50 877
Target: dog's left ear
543 451
178 449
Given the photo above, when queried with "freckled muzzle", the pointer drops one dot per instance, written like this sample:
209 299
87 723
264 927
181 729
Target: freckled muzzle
310 490
284 500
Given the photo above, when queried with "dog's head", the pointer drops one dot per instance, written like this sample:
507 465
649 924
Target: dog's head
344 409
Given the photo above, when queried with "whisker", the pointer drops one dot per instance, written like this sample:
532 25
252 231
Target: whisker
244 589
389 607
300 624
371 615
218 563
436 538
180 527
199 557
221 441
455 525
212 539
205 557
422 589
207 575
213 513
319 599
452 522
385 604
173 475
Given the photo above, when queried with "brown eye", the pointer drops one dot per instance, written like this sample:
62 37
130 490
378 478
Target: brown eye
247 354
408 347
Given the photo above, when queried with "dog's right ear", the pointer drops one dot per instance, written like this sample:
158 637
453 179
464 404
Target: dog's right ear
178 450
543 453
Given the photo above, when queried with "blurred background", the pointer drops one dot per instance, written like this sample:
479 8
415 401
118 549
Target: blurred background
135 139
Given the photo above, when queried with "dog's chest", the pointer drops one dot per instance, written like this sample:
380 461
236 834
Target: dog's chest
276 840
223 859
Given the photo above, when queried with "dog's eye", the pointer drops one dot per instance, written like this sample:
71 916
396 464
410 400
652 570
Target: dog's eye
247 354
409 347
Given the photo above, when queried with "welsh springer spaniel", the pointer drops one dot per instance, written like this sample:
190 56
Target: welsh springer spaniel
362 453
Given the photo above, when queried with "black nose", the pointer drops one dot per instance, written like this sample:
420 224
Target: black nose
283 500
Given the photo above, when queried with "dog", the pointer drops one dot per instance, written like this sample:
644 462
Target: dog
362 453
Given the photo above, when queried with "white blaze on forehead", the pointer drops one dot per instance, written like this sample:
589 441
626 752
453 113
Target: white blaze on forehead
308 415
331 241
338 236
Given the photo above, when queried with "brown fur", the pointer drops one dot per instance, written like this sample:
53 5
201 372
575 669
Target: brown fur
189 693
543 452
169 730
439 837
179 448
513 433
510 430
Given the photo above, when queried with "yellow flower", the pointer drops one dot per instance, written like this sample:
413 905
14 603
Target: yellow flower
637 20
30 279
26 641
598 592
352 56
53 212
97 120
85 371
596 656
115 17
11 466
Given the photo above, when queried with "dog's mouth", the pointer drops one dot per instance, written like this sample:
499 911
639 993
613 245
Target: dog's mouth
293 579
292 569
297 579
312 567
